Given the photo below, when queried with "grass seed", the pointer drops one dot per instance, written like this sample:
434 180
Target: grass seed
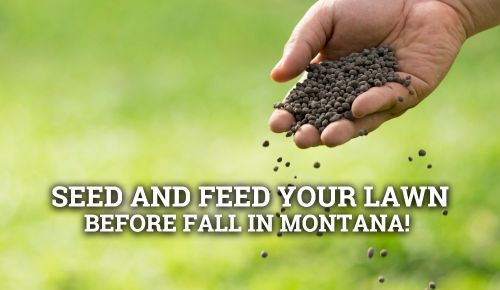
331 87
370 252
383 253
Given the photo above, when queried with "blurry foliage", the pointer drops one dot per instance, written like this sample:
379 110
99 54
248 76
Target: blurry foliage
134 92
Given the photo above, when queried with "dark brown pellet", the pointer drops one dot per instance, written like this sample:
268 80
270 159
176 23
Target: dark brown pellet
371 252
275 168
279 159
421 152
429 166
316 164
263 254
282 209
432 285
327 209
319 234
329 90
445 211
287 164
295 177
383 253
279 234
265 143
410 158
381 279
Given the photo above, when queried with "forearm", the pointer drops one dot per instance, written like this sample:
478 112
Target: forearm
476 15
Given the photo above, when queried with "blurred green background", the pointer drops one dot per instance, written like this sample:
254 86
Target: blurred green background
133 92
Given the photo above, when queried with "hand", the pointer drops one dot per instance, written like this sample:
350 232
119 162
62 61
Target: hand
426 36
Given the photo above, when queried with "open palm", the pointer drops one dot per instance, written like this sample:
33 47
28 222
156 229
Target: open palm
426 36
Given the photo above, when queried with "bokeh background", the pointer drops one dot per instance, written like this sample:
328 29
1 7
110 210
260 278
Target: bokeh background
140 92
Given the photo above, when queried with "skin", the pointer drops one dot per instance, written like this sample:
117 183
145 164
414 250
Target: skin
426 35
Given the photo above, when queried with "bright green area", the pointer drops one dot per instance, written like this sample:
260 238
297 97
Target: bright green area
134 92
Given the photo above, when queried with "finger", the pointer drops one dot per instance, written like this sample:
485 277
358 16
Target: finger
307 136
339 132
379 99
307 39
281 121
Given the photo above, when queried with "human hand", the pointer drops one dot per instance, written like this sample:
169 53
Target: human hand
426 35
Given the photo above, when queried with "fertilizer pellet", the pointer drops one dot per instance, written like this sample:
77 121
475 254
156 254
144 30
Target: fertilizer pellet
279 234
319 234
371 252
275 168
429 166
263 254
278 215
265 143
295 177
421 152
383 253
279 159
410 158
327 209
287 164
316 164
445 211
328 92
282 209
432 285
381 279
401 99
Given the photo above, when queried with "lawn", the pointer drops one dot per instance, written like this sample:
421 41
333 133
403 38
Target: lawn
156 92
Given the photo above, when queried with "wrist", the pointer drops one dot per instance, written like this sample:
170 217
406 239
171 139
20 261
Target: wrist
476 15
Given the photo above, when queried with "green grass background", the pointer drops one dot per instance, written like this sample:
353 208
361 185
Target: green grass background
133 92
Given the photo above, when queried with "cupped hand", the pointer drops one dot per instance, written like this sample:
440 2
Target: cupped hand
426 35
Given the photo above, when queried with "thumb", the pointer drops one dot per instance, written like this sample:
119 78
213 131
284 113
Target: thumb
307 39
